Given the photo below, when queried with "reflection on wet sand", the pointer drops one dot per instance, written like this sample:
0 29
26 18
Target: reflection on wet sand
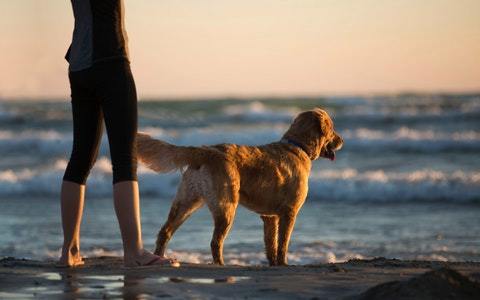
229 279
73 284
104 278
133 287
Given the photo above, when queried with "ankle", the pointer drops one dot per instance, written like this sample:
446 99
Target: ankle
71 250
134 253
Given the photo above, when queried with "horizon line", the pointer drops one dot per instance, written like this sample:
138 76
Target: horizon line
239 96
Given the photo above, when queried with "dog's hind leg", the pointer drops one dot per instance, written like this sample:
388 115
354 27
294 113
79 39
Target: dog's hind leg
270 236
223 220
184 205
286 223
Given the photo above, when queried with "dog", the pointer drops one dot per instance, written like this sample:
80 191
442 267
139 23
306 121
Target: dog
271 180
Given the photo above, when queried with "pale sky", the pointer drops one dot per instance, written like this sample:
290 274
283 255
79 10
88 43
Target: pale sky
195 48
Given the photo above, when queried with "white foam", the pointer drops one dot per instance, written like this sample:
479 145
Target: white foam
14 177
306 254
310 253
378 185
303 254
337 184
405 133
298 255
46 181
257 111
43 143
46 135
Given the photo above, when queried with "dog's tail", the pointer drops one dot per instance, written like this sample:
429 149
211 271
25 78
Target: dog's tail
163 157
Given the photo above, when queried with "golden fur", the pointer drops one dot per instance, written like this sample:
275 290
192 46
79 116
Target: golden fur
271 180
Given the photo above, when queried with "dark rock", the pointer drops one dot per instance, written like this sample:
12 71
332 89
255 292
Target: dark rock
441 284
335 268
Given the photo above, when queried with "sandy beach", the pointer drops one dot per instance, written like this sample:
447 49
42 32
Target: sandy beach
106 278
342 137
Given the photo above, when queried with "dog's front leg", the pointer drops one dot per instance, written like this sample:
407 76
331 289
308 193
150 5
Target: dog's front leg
163 237
270 236
286 223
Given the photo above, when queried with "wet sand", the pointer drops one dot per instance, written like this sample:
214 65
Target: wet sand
106 278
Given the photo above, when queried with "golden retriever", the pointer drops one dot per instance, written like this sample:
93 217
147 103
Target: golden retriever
271 180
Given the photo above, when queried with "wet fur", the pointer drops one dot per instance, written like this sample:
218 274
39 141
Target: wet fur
271 180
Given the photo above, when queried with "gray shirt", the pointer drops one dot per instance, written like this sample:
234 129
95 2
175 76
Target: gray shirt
99 34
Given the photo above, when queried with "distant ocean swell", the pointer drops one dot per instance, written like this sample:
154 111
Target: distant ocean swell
347 109
48 142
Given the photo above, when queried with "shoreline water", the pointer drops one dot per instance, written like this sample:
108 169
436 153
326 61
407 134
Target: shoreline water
106 278
324 232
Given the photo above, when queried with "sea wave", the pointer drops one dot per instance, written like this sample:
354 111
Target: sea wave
378 185
47 143
354 110
411 140
343 110
44 143
425 110
334 185
360 108
7 115
406 133
258 111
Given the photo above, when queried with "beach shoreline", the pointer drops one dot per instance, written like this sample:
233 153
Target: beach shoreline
106 278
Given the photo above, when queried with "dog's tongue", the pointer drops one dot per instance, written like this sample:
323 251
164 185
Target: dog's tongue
330 155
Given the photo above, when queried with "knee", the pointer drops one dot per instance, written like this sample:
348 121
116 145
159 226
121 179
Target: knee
78 168
124 168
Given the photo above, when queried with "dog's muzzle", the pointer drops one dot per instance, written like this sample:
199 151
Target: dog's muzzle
335 145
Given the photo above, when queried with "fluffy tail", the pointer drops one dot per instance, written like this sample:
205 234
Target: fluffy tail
163 157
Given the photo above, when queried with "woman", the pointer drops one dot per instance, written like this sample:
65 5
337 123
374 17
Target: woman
102 88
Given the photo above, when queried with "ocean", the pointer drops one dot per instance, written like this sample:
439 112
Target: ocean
405 185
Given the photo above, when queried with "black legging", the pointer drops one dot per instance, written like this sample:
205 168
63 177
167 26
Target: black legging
104 91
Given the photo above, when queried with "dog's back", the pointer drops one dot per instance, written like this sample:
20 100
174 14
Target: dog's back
269 175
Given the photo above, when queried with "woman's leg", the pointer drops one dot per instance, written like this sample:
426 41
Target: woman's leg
87 132
119 103
72 198
127 208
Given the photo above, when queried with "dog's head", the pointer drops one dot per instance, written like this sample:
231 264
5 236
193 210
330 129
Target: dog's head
313 130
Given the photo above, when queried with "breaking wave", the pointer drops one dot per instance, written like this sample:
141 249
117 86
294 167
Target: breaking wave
334 185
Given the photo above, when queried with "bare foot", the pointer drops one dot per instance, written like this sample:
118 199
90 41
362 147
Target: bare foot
150 259
70 261
70 258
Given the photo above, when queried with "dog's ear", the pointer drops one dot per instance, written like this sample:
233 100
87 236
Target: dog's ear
309 130
324 121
